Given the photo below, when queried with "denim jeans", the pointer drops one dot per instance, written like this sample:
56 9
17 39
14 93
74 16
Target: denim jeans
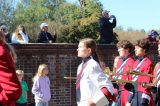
41 104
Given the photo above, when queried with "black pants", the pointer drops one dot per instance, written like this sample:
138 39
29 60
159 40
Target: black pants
157 102
138 101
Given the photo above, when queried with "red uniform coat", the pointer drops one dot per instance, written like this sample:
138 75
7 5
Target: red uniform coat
157 67
146 67
10 88
124 92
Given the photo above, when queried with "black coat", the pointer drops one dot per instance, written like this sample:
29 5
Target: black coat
8 38
45 37
106 30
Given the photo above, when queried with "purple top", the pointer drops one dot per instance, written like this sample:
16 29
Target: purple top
41 89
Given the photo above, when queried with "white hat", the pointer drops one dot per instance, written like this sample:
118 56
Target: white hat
43 25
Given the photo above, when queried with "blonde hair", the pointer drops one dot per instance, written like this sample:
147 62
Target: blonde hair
19 72
39 72
18 35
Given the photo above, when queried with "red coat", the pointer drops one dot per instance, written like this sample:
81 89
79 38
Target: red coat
124 92
157 67
10 88
146 67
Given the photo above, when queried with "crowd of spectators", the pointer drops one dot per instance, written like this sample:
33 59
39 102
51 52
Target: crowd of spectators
20 36
107 36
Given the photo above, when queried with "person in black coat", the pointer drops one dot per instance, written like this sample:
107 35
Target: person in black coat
107 23
44 36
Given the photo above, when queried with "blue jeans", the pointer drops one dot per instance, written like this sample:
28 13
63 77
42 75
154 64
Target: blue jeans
41 104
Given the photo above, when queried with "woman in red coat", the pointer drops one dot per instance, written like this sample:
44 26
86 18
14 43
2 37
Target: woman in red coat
10 88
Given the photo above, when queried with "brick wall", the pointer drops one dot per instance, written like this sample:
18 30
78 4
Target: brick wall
62 61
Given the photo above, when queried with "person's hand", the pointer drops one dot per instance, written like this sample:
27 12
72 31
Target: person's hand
128 104
50 41
90 102
112 16
20 31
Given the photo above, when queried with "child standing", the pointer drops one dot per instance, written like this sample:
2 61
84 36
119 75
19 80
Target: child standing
22 101
41 86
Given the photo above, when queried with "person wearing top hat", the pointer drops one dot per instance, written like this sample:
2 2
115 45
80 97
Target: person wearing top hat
107 23
44 36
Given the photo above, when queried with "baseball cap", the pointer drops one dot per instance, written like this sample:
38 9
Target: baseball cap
43 25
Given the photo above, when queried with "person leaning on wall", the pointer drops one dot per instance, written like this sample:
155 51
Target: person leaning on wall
20 36
44 36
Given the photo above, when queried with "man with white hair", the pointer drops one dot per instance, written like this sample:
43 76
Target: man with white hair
44 36
106 28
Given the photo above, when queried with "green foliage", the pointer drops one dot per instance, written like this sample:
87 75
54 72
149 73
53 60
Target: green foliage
76 31
74 22
85 25
6 12
32 13
70 22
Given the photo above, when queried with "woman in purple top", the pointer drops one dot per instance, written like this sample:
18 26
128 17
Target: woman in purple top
41 86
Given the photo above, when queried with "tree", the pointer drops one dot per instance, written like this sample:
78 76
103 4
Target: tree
86 25
72 18
6 10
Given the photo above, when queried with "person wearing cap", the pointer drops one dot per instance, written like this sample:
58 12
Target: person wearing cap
3 28
10 88
44 36
106 28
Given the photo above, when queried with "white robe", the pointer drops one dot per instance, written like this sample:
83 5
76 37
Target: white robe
92 80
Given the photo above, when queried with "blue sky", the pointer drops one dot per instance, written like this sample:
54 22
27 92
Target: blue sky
136 14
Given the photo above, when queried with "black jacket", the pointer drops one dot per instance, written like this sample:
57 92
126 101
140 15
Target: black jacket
8 38
45 37
106 29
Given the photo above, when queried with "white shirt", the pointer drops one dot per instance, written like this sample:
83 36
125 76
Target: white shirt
16 40
92 79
